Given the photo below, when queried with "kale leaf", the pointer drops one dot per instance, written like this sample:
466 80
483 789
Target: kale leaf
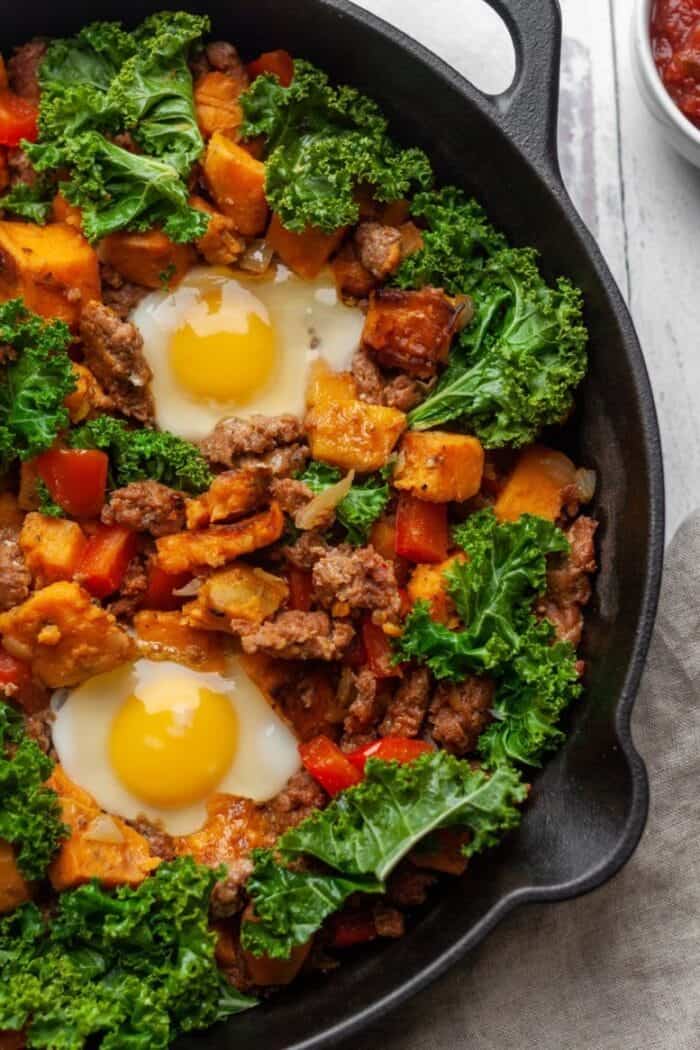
360 508
30 815
105 81
34 384
322 143
47 504
365 832
133 968
32 203
139 455
493 593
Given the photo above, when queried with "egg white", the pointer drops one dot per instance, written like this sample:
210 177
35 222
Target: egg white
266 753
309 321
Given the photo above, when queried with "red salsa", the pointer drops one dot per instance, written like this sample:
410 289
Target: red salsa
675 42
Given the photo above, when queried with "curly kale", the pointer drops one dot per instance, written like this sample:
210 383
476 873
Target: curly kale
30 814
34 384
139 455
105 81
360 508
322 143
132 969
32 203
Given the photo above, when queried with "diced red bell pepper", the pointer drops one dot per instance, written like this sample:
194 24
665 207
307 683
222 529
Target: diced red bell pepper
279 62
328 765
354 927
13 671
105 559
76 479
18 119
379 651
389 749
421 529
159 589
300 589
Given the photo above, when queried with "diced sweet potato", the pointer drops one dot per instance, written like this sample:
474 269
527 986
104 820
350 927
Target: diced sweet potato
410 330
62 211
233 827
439 467
52 547
266 971
306 253
52 268
327 387
218 544
150 259
216 99
236 181
220 245
88 396
100 846
64 636
14 888
536 485
352 434
231 494
428 583
166 637
267 671
11 516
238 593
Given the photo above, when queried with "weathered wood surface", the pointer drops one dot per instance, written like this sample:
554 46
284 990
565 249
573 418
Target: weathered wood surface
641 200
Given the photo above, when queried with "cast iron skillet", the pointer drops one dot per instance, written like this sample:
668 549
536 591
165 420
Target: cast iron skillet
588 806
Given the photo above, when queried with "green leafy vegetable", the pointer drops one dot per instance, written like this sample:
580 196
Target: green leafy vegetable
360 508
47 505
365 832
493 593
292 905
34 383
30 814
536 687
137 455
29 202
322 142
105 81
134 968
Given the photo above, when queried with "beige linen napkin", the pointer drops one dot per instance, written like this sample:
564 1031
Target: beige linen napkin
618 969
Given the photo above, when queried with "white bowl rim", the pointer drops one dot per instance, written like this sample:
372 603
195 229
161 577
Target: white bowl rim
643 33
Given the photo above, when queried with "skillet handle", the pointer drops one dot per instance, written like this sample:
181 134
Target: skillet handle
528 109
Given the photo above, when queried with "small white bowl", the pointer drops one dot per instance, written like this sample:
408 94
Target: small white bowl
675 127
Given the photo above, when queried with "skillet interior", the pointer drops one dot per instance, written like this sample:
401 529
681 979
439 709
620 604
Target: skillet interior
588 806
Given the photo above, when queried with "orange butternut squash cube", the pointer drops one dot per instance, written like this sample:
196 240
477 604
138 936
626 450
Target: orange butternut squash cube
52 547
62 211
53 268
220 245
237 183
439 467
231 494
216 100
536 485
306 253
428 583
240 592
352 434
218 544
326 386
150 259
14 888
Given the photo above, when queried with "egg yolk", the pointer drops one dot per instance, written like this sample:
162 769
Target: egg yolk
226 350
171 744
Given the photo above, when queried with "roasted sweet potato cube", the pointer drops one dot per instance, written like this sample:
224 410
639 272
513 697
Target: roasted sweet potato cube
88 397
150 259
328 387
52 268
428 583
52 547
218 544
62 211
233 827
231 494
64 636
220 245
241 592
306 253
164 636
536 485
352 434
236 181
410 330
439 467
14 888
216 100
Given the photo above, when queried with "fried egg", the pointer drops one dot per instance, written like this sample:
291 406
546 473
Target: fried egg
159 739
230 345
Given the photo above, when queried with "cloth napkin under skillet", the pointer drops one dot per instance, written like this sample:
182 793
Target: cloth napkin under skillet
618 969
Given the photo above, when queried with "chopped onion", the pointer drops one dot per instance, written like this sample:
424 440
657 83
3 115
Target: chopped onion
585 483
465 311
104 828
256 258
189 589
18 649
320 509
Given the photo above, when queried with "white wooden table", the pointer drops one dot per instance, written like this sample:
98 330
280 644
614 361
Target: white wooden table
640 200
